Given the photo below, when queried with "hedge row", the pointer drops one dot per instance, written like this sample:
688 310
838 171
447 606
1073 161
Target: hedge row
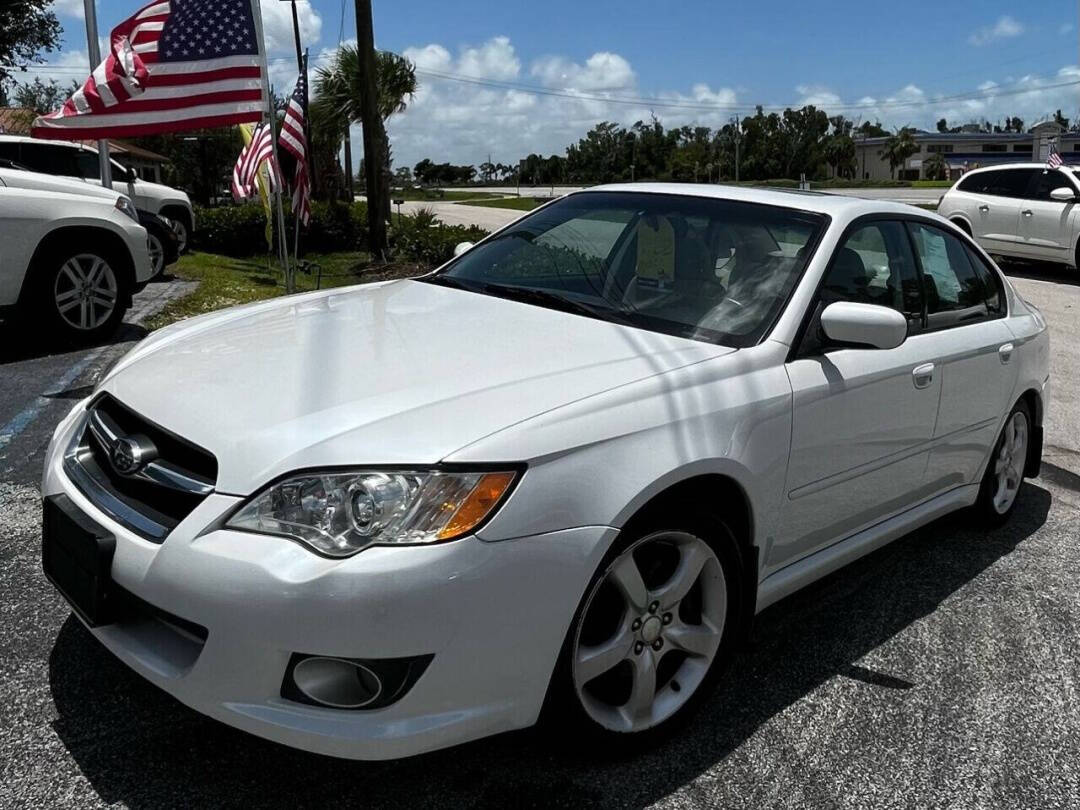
239 231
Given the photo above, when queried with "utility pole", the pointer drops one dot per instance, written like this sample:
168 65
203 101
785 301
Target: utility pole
94 48
378 196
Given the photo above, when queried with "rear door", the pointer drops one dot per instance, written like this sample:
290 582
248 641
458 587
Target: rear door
973 352
1047 225
862 418
995 208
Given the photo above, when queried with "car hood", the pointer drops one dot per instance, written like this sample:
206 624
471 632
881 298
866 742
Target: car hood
143 191
401 372
37 181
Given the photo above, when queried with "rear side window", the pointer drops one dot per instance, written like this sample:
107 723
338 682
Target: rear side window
50 159
956 294
1010 182
976 183
9 150
995 292
1046 181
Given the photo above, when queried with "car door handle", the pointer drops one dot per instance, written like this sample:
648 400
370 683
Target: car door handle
1027 212
984 208
923 375
1006 352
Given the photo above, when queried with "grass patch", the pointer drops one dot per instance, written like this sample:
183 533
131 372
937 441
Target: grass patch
227 282
513 203
932 183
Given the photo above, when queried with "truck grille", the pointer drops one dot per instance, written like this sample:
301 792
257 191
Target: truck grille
138 473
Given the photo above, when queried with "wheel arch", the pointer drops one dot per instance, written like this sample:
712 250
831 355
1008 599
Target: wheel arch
710 490
1032 464
89 235
961 222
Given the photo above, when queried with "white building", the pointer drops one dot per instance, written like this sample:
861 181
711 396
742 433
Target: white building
967 150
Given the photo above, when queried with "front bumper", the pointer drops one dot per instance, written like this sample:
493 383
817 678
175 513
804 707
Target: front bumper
493 615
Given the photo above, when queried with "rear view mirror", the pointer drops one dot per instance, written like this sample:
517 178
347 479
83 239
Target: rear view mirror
1063 194
461 248
869 325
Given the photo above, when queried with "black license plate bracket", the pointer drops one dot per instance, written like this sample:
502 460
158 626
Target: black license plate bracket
76 555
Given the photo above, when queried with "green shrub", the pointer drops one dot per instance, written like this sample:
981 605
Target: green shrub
239 230
422 238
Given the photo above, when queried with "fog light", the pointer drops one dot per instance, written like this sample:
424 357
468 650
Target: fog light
337 683
350 683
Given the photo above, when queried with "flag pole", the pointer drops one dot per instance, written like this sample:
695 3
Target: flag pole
93 47
256 10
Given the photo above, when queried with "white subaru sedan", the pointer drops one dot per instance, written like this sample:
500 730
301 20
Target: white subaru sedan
1020 210
565 470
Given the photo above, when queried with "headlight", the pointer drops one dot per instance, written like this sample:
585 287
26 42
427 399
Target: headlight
126 206
339 514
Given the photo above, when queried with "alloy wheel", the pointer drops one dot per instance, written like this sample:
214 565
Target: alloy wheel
157 254
181 231
1010 462
85 291
649 632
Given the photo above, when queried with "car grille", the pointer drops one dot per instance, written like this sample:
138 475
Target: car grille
151 483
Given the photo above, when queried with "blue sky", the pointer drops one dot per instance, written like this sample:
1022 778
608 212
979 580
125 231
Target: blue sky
691 62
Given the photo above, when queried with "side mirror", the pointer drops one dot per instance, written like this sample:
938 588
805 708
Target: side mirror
864 325
461 248
1063 194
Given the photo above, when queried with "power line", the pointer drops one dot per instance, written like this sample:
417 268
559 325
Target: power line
660 102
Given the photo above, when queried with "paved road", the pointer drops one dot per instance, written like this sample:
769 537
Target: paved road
941 671
494 218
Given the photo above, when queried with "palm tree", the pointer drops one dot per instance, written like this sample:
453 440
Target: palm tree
898 148
338 97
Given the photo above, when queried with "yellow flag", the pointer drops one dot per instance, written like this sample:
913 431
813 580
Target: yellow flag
263 179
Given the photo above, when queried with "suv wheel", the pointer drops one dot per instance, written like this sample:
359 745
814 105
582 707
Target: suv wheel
180 228
82 294
157 253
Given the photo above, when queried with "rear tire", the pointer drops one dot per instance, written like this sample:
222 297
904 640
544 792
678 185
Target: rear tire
81 294
959 223
679 620
1004 476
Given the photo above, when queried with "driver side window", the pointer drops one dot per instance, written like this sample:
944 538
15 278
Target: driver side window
873 265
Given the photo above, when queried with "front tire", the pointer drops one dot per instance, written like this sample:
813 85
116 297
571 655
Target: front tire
1004 474
656 629
157 254
81 295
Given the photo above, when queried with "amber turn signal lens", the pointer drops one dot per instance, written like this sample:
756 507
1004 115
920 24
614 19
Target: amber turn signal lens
477 504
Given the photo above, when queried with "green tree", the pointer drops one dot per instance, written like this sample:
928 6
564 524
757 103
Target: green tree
935 167
27 29
338 99
942 125
41 97
898 148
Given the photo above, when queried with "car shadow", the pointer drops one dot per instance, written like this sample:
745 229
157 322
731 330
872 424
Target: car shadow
138 746
16 344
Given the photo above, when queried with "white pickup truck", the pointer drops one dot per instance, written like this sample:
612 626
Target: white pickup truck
69 263
77 160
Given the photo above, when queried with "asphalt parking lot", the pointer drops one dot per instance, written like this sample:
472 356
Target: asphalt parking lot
942 671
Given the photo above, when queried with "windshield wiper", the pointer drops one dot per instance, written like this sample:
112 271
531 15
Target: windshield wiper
552 300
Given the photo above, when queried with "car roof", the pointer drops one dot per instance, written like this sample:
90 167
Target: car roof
999 166
838 206
28 139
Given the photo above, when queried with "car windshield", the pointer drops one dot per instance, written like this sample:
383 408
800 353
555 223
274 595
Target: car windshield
708 269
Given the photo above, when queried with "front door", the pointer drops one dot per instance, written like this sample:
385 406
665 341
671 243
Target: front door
1046 224
862 418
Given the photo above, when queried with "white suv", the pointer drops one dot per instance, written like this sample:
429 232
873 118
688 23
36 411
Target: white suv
70 262
76 160
1022 210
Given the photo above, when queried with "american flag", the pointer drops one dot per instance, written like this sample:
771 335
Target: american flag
1053 160
246 170
293 141
176 65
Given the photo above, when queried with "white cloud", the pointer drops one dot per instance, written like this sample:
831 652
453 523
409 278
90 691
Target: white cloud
1004 28
278 27
603 71
464 122
70 8
1065 28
